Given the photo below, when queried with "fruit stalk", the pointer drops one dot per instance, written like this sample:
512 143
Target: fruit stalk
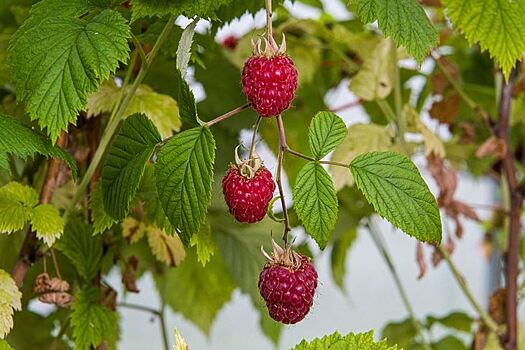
269 28
282 148
254 136
227 115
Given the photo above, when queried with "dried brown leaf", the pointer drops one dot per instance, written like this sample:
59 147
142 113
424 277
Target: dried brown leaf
446 110
129 277
420 258
493 146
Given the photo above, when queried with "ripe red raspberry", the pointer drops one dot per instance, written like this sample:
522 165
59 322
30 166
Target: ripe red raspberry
248 190
269 80
287 283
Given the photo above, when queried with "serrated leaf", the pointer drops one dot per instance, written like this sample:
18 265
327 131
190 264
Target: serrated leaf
315 202
101 220
188 8
16 205
92 322
497 25
326 132
167 249
21 141
393 185
204 244
184 172
10 301
60 60
125 162
47 222
180 343
205 289
184 48
133 230
404 20
187 106
376 78
81 248
351 341
161 109
361 138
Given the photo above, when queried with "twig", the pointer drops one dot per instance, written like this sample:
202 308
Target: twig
485 317
282 147
162 320
159 313
254 136
388 260
227 115
29 252
516 204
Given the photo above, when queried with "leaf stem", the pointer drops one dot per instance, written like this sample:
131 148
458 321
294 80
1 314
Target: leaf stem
282 148
139 48
119 115
387 110
304 156
254 136
227 115
398 100
380 245
484 316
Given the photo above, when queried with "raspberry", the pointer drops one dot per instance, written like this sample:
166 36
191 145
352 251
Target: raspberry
269 80
287 283
248 196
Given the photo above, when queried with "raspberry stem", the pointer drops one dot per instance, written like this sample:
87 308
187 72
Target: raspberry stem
282 148
269 29
254 135
227 115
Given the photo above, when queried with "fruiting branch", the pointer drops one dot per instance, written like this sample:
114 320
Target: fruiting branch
282 147
227 115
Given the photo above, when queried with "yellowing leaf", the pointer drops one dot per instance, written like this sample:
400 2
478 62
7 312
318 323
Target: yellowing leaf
16 205
10 300
204 243
168 249
180 343
161 109
433 143
133 230
361 138
47 223
376 77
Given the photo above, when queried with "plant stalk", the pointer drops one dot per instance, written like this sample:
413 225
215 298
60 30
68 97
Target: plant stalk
228 115
282 148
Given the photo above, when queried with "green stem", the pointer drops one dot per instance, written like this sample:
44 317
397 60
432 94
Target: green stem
254 136
304 156
387 110
484 316
384 252
398 100
139 48
115 120
162 320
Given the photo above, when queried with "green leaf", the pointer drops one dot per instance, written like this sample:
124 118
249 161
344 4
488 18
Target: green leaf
204 244
47 222
335 341
376 78
449 343
404 20
81 247
125 162
497 25
188 8
316 202
184 172
4 345
201 291
393 185
20 140
161 109
338 256
93 323
361 138
401 333
455 320
326 132
10 301
60 60
16 205
187 106
101 220
184 48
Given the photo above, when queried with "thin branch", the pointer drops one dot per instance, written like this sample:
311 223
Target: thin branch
29 252
282 147
484 316
140 308
162 320
387 110
516 206
254 136
348 105
227 115
269 28
159 313
404 296
139 48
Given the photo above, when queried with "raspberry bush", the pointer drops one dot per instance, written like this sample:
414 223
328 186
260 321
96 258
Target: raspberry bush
123 160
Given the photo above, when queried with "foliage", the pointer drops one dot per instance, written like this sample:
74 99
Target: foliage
10 301
351 341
